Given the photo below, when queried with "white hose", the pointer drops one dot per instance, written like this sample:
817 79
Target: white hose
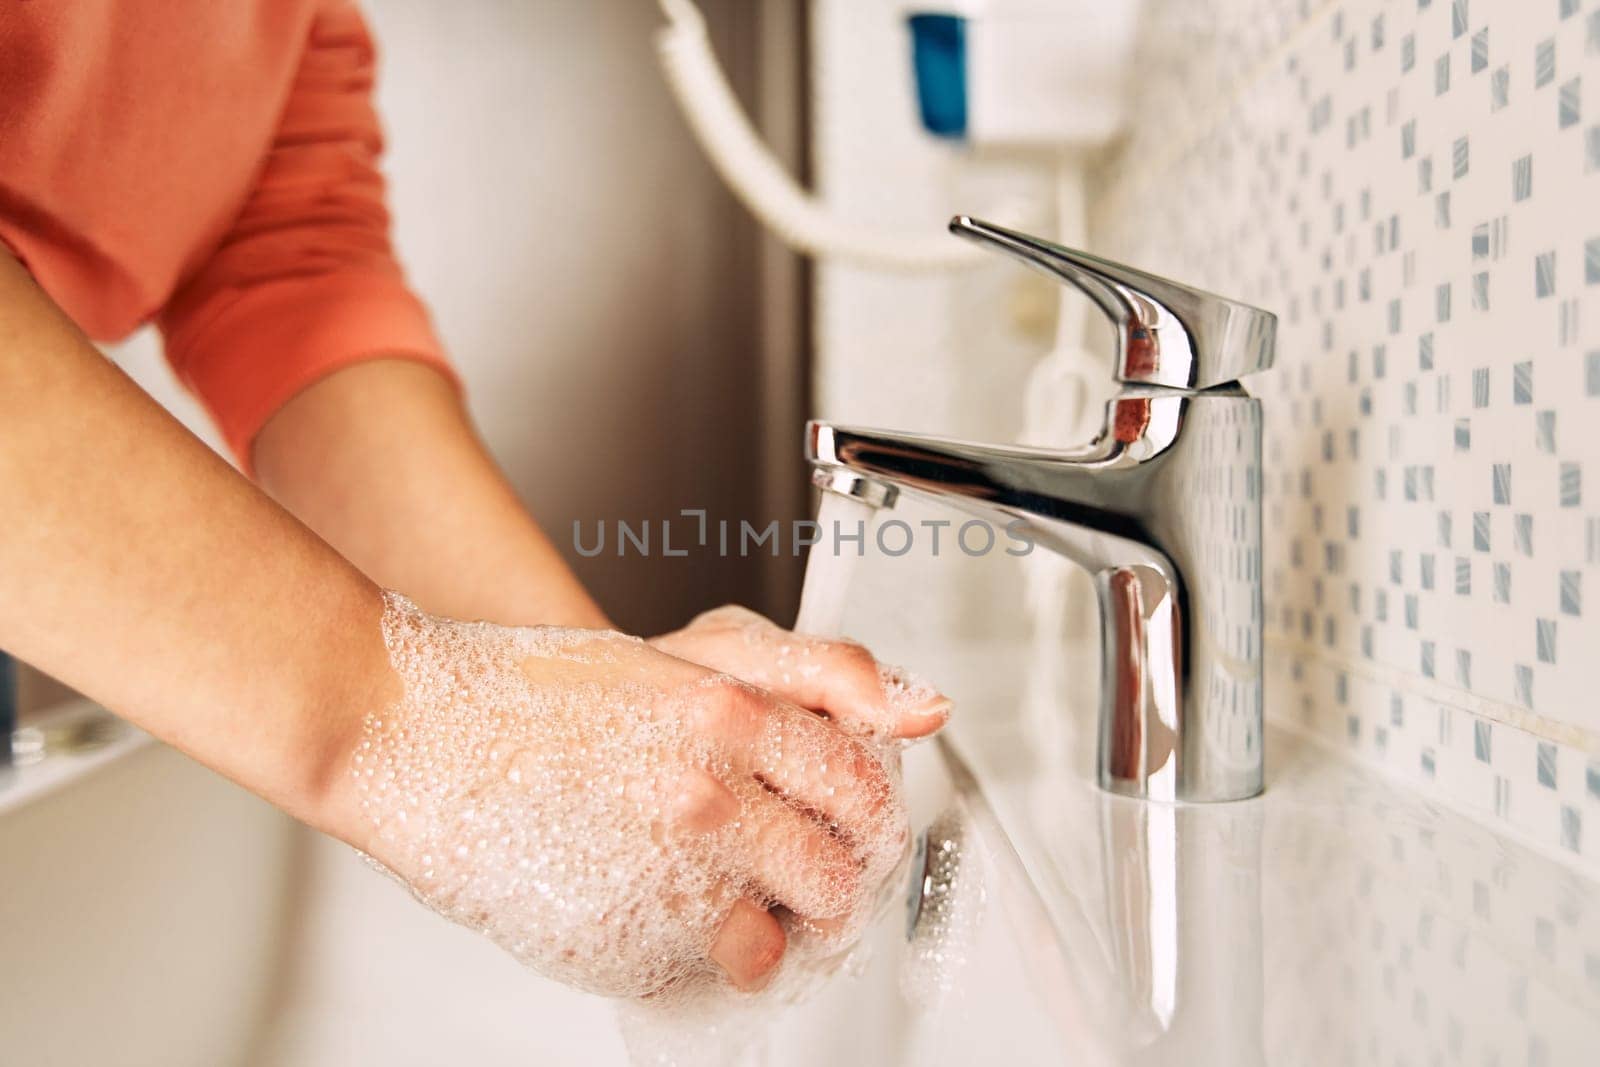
760 182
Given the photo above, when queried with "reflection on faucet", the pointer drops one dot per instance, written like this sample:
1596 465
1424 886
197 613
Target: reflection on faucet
1152 910
1183 906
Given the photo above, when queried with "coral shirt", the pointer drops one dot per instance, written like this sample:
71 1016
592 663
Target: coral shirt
211 165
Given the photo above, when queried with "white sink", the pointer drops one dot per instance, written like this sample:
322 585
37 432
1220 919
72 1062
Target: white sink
377 979
1338 918
166 918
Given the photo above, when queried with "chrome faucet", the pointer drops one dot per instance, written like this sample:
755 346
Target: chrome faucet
1163 508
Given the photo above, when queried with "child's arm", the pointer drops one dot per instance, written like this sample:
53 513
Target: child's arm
140 569
381 460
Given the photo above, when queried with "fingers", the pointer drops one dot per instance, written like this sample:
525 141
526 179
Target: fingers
794 752
702 804
796 861
749 946
838 678
844 681
831 773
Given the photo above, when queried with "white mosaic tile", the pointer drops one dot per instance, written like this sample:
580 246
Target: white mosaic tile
1541 790
1414 185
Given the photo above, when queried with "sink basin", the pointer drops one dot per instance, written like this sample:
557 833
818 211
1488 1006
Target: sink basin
377 979
1335 919
1338 918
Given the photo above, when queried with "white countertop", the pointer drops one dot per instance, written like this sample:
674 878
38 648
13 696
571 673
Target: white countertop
1337 918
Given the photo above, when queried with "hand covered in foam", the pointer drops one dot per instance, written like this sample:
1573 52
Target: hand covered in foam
623 820
836 678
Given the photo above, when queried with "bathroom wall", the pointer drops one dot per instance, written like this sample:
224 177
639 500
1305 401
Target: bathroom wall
1414 187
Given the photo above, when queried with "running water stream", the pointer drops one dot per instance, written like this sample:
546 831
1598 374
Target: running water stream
832 564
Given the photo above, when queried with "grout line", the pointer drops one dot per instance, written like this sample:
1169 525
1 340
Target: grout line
1584 740
1570 986
1113 199
1479 816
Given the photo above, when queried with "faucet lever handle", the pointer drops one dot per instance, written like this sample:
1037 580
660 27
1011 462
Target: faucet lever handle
1168 334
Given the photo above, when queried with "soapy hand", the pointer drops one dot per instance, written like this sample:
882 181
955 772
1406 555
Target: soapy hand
628 821
833 677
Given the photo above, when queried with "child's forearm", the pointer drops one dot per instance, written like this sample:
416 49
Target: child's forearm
143 571
380 459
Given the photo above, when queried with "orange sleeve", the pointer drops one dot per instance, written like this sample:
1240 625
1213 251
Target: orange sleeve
305 282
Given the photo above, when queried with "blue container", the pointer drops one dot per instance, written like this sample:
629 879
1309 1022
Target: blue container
939 57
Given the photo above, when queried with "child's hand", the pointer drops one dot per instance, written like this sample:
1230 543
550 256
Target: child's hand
837 678
624 820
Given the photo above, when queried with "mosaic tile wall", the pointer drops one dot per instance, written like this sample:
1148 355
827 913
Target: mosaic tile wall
1414 186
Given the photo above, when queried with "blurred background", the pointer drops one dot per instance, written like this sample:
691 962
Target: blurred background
630 340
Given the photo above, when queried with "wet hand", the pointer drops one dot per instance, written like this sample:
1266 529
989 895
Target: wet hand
836 678
625 820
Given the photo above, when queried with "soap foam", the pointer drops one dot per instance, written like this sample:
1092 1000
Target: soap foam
782 660
902 690
528 783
